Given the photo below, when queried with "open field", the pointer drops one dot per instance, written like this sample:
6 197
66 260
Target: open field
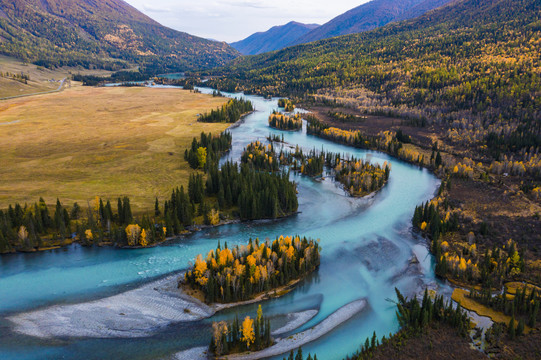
41 79
108 142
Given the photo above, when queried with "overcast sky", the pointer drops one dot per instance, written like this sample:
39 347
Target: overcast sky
232 20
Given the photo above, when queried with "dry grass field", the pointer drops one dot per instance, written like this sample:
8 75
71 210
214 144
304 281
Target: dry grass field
108 142
40 78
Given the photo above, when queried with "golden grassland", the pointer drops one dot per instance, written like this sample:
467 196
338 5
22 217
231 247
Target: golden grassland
108 142
461 296
39 77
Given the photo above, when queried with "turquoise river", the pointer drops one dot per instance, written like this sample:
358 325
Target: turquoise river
367 250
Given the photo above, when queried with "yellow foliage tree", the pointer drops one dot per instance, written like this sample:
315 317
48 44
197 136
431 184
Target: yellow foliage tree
133 233
218 330
202 156
143 238
248 335
423 225
88 234
462 265
200 270
214 217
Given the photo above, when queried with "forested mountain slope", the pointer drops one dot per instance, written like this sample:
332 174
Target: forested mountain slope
105 34
277 37
369 16
472 65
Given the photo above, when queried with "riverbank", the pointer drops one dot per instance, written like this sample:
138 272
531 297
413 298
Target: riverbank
491 207
198 296
136 313
293 342
132 314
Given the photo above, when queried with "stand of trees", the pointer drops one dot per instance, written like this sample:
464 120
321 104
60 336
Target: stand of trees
229 113
284 122
258 195
361 177
286 104
260 157
343 117
358 177
227 275
22 227
207 150
523 306
235 337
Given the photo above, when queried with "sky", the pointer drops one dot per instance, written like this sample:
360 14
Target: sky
232 20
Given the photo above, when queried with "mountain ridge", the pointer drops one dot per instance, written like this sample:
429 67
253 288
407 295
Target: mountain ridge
109 34
275 38
368 16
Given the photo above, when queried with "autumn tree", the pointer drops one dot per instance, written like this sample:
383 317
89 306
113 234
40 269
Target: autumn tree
133 232
248 335
201 157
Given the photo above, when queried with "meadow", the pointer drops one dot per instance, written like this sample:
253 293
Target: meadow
108 142
41 79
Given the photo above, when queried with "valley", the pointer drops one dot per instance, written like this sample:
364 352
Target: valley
368 188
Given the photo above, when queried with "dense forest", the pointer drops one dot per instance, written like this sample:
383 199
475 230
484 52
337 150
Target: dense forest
471 66
230 275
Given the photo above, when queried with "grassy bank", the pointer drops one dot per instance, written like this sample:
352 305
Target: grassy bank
107 142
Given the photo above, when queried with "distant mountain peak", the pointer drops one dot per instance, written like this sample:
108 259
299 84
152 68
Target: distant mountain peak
277 37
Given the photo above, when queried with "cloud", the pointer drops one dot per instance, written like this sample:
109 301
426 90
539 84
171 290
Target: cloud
155 9
251 4
232 20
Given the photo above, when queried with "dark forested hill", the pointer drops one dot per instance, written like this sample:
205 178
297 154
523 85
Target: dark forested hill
277 37
474 65
106 34
369 16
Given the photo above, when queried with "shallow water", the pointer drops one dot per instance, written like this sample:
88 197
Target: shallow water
366 250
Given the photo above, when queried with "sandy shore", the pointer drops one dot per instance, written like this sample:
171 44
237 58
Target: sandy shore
198 353
295 320
135 313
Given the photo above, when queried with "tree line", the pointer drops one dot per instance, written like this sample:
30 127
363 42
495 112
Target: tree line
229 113
284 122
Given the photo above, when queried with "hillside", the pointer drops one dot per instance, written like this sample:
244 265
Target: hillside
473 65
107 34
369 16
276 38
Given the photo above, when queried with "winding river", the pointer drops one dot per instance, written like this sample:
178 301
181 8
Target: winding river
367 251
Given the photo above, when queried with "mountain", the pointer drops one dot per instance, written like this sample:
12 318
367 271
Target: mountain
106 34
369 16
276 38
